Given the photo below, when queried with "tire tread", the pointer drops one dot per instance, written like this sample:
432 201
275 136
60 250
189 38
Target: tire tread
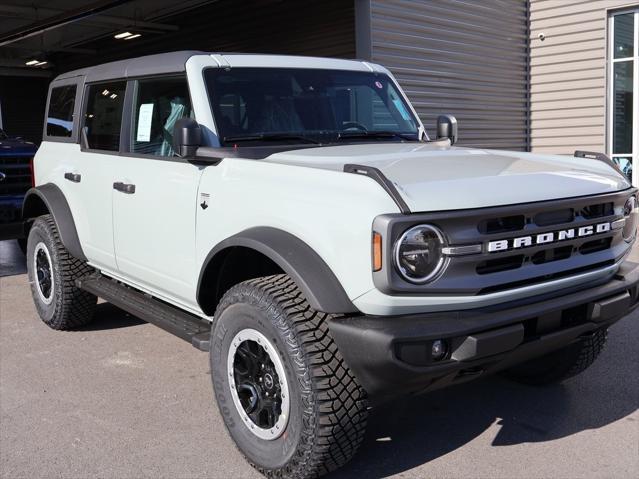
76 307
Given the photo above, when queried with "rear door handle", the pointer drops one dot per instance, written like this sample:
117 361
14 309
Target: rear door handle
75 177
127 188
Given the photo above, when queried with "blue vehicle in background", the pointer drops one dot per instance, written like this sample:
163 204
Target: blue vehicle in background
16 177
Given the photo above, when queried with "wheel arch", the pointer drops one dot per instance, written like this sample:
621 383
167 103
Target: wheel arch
282 253
49 199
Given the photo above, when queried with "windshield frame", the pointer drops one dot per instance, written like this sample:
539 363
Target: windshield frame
420 132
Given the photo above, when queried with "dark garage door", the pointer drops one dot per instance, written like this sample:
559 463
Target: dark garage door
22 101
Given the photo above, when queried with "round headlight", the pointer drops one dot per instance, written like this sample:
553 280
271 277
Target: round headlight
418 254
630 215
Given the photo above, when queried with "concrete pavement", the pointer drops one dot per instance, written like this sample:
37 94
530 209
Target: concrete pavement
123 399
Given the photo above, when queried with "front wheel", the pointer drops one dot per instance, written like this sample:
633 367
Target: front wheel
288 400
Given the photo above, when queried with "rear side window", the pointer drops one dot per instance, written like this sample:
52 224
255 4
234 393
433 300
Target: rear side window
60 115
104 115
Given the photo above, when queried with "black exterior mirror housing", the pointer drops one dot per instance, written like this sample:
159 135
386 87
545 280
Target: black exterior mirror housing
187 137
447 128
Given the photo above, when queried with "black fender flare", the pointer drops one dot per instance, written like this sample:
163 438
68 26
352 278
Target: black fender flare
55 202
312 275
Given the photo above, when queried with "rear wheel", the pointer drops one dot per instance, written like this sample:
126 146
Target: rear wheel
288 400
563 364
52 273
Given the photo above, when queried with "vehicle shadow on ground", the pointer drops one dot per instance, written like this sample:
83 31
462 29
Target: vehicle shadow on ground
108 316
415 431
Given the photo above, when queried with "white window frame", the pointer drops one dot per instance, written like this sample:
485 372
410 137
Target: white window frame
634 155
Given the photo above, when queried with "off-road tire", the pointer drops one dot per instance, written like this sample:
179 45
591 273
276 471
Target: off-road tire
329 409
70 307
563 364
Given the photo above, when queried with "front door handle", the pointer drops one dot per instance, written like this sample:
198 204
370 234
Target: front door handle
127 188
75 177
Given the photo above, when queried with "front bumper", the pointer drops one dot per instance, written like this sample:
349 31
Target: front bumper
390 356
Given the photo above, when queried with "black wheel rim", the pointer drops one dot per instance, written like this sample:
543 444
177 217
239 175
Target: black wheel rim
43 273
258 384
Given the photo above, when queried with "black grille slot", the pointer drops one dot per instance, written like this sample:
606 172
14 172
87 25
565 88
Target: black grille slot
500 264
553 254
502 225
595 246
18 176
556 217
598 211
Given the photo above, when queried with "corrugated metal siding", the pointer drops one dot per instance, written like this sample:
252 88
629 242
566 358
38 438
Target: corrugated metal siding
568 74
463 57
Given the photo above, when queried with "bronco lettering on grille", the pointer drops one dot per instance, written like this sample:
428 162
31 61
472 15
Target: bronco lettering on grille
546 238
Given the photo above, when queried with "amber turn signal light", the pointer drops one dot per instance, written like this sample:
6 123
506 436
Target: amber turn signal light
377 251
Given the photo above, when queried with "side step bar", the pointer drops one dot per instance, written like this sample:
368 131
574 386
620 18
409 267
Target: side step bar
187 326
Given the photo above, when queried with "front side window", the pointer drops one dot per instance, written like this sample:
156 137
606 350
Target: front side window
159 104
60 114
103 117
307 105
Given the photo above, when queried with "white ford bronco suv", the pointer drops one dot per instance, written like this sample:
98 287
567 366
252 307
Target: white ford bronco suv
292 216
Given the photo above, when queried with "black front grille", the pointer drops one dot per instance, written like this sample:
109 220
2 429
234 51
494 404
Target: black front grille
17 175
531 261
550 217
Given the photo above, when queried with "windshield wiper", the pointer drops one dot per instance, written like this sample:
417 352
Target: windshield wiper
374 134
271 137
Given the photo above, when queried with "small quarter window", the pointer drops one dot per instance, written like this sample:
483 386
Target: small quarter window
60 114
104 115
159 104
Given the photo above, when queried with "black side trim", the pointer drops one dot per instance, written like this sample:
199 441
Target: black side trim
56 203
312 275
378 176
593 155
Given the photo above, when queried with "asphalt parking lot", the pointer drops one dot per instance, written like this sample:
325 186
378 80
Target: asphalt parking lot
123 399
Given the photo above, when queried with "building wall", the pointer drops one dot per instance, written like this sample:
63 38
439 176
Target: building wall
568 74
467 58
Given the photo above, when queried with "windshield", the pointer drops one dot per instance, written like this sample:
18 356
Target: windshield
260 105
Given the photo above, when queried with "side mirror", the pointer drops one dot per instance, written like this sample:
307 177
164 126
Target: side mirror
447 128
187 137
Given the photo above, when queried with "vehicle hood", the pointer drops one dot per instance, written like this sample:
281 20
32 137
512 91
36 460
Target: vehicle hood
15 147
437 177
